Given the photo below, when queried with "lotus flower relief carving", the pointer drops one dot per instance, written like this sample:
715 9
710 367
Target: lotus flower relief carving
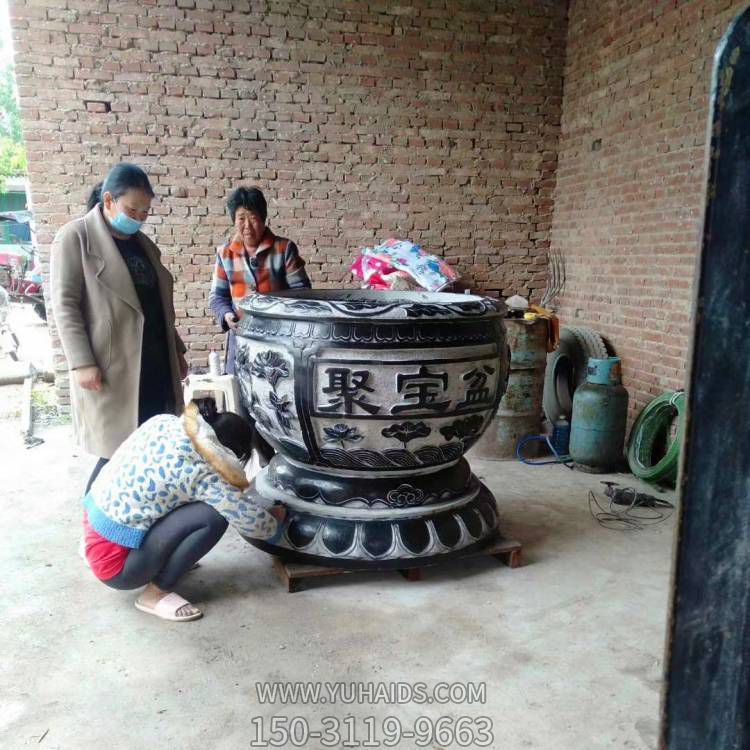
283 408
463 429
342 434
270 366
259 414
405 432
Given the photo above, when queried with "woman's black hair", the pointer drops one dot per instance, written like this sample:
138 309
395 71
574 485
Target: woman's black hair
234 433
231 429
121 178
250 198
95 196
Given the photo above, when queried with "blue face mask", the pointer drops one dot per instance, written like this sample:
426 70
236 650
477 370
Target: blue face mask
124 224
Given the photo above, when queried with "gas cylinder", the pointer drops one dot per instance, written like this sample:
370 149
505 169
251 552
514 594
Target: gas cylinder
600 412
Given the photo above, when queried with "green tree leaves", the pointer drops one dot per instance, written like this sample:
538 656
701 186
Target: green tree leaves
12 151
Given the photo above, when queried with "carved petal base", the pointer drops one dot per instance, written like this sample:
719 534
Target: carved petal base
380 538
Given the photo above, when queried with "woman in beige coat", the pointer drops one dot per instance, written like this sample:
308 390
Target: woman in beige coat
112 304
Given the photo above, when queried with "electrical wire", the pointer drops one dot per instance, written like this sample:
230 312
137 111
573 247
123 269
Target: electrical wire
636 516
564 459
653 421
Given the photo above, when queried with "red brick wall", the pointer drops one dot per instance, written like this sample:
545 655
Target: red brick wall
630 176
436 121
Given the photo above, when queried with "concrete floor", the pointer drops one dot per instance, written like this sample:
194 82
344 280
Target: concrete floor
34 344
570 646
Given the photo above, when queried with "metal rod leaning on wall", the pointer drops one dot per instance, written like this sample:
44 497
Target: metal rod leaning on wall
707 694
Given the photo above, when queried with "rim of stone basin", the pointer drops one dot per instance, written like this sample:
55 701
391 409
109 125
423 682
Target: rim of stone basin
371 304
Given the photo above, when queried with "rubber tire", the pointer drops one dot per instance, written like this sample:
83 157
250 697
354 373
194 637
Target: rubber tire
566 369
41 310
592 344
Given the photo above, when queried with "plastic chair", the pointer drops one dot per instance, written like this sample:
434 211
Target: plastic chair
224 388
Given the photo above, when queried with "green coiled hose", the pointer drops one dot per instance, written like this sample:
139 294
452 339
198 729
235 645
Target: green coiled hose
653 421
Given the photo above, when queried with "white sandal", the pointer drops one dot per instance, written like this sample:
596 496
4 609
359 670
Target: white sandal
166 609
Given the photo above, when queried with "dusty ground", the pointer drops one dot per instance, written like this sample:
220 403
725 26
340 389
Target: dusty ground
33 338
570 646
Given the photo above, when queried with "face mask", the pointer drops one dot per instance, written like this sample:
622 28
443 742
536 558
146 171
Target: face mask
124 224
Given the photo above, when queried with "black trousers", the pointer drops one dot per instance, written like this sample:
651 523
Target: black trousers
171 547
100 464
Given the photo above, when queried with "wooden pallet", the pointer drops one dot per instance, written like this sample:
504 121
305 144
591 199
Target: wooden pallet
293 574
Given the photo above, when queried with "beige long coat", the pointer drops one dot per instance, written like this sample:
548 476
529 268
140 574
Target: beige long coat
100 322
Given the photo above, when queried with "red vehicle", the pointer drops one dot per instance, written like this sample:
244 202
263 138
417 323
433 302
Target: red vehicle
20 274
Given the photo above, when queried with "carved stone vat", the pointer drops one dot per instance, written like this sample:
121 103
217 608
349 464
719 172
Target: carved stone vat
371 400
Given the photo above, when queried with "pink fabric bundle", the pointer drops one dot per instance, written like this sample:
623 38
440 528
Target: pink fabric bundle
400 264
377 273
